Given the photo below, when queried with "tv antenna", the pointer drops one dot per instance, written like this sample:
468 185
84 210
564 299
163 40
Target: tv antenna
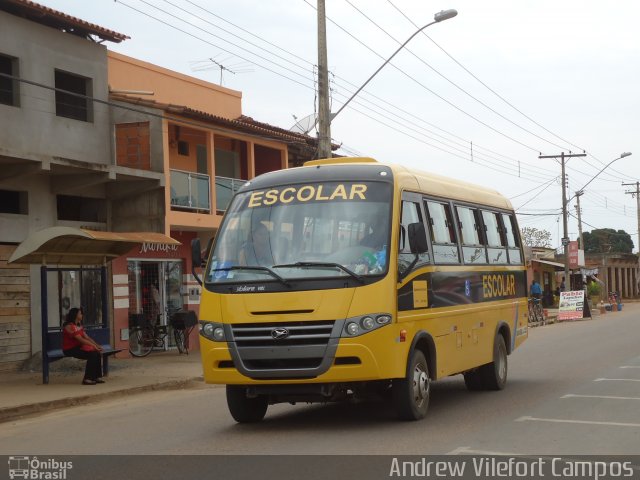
222 64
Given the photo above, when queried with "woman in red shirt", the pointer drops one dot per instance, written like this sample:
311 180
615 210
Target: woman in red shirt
76 343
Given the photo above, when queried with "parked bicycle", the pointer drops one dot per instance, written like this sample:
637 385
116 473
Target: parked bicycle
145 336
536 313
183 323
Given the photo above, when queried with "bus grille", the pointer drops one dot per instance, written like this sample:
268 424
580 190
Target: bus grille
284 349
299 333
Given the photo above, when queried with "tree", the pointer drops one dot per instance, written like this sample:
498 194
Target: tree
533 237
607 240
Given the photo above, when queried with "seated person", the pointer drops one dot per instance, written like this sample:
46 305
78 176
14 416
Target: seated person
257 250
76 343
376 240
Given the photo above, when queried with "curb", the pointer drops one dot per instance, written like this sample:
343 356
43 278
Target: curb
21 411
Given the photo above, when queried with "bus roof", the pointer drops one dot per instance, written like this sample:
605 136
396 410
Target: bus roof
429 183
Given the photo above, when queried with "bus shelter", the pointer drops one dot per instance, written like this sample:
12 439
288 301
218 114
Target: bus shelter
59 249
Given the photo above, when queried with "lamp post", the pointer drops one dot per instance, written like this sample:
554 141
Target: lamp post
581 191
324 117
622 155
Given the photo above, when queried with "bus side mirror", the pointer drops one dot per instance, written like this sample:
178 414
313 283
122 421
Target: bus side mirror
417 238
196 257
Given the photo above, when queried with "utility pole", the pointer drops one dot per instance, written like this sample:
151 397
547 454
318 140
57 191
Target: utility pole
635 192
565 226
324 113
579 193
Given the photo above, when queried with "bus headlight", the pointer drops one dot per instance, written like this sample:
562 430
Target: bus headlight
353 329
212 331
356 326
368 323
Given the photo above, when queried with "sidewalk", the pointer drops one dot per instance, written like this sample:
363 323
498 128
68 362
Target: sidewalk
22 393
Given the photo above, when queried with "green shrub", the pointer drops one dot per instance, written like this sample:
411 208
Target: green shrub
593 289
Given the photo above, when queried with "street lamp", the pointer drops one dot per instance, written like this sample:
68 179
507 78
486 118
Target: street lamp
580 192
324 120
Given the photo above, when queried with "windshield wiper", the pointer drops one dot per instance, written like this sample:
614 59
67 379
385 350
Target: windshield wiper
322 265
259 269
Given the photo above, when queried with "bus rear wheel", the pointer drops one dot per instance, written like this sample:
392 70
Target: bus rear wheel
244 409
494 374
411 394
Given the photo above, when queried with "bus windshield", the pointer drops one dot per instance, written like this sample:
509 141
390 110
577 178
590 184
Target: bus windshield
307 231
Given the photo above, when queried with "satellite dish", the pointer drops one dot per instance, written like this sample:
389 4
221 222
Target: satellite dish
304 125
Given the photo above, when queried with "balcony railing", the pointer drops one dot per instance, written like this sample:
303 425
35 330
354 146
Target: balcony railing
190 191
225 189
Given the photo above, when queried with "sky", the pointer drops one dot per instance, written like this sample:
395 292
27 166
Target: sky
477 97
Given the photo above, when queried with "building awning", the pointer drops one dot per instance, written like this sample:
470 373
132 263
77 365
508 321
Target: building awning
558 266
77 246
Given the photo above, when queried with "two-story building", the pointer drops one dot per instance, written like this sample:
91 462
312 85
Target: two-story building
195 132
80 147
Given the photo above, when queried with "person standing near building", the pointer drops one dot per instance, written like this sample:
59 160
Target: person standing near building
155 303
535 290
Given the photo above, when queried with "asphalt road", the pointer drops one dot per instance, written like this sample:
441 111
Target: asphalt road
573 388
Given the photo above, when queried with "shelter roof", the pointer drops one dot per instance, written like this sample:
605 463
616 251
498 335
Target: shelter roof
78 246
558 266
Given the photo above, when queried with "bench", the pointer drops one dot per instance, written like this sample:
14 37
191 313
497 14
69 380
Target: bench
53 348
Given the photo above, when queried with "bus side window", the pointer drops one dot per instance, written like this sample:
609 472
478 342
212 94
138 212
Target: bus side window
410 214
443 236
473 249
496 244
513 241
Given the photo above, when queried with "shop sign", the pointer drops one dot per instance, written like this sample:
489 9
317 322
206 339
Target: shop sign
571 305
159 248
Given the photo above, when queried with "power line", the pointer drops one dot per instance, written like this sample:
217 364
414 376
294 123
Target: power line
529 191
498 95
483 83
199 38
217 46
451 81
434 93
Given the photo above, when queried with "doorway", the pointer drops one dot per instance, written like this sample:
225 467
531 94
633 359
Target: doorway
155 291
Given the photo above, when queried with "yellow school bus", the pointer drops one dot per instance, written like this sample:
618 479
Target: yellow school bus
346 278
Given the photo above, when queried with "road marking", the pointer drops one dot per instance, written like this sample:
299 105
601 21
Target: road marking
469 451
582 422
572 395
617 380
630 366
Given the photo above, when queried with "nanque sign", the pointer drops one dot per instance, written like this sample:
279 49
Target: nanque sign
159 248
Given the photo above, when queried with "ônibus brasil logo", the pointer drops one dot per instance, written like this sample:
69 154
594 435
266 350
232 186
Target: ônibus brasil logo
38 469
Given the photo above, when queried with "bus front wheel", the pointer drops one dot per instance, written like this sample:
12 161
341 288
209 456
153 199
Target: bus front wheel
494 374
411 394
244 409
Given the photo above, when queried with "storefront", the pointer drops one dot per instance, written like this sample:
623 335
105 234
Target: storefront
544 272
151 283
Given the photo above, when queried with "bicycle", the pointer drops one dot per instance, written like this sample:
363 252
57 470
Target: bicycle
145 336
536 313
182 324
